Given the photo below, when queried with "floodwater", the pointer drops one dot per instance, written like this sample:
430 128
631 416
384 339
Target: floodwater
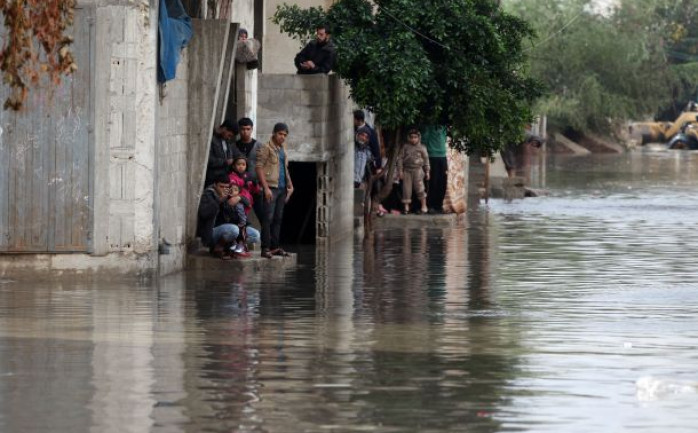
574 312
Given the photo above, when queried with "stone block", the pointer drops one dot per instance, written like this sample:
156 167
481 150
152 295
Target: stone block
276 81
265 96
311 82
313 114
314 98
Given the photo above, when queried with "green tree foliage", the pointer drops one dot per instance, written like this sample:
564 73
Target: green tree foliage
454 62
604 68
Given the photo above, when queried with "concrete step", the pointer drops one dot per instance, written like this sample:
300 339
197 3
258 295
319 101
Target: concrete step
202 260
570 145
410 221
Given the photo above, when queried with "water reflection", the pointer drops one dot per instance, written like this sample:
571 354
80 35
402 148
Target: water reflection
538 314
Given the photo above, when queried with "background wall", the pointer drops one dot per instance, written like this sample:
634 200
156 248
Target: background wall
278 48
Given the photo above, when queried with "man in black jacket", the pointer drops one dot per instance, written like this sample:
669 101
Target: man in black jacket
318 56
222 151
218 226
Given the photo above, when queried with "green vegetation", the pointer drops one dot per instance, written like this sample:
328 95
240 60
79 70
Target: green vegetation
459 63
636 60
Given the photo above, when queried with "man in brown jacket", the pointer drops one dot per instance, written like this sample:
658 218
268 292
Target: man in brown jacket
277 187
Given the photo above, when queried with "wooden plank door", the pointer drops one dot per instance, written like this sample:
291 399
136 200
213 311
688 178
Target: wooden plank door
46 160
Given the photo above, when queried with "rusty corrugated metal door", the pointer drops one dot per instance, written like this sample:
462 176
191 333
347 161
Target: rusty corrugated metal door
46 160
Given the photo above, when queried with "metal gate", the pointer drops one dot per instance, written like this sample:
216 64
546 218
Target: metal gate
46 160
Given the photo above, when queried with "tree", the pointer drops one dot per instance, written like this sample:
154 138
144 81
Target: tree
35 45
453 62
604 68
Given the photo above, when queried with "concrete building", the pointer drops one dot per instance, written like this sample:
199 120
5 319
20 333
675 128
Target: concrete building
104 175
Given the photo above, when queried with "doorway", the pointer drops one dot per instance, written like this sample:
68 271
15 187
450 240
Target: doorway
300 212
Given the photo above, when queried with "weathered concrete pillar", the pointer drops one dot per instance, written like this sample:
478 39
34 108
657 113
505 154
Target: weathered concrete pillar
125 99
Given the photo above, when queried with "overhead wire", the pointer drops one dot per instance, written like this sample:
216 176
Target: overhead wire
417 32
555 34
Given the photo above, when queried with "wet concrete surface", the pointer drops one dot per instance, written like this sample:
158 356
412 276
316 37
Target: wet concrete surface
574 312
202 261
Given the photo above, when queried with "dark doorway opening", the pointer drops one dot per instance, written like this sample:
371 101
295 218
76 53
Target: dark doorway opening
300 212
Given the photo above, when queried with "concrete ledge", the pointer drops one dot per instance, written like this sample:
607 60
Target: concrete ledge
78 266
570 145
412 221
203 261
602 144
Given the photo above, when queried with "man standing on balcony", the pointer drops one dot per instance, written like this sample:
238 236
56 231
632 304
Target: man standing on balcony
318 56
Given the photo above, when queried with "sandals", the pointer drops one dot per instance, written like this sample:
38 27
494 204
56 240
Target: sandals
279 252
268 254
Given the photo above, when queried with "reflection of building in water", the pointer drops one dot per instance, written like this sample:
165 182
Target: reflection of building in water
93 357
138 368
46 358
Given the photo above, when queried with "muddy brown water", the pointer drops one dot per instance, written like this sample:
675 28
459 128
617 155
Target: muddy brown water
574 312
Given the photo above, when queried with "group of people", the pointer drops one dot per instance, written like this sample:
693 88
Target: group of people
421 168
244 175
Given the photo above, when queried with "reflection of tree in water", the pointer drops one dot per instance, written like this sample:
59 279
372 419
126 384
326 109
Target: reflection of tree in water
402 339
395 275
436 360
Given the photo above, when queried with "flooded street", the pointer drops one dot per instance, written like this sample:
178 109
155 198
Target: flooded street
573 312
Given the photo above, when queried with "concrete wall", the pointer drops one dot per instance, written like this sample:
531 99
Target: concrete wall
278 48
172 144
317 110
246 80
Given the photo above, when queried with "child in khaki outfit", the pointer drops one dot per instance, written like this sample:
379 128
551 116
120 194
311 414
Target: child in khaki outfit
412 169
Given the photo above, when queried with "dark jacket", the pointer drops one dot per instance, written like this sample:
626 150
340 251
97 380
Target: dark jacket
322 55
219 152
212 213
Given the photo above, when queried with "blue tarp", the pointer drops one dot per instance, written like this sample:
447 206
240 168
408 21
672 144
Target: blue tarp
174 33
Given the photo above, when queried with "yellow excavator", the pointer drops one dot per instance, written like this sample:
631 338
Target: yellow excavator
682 133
